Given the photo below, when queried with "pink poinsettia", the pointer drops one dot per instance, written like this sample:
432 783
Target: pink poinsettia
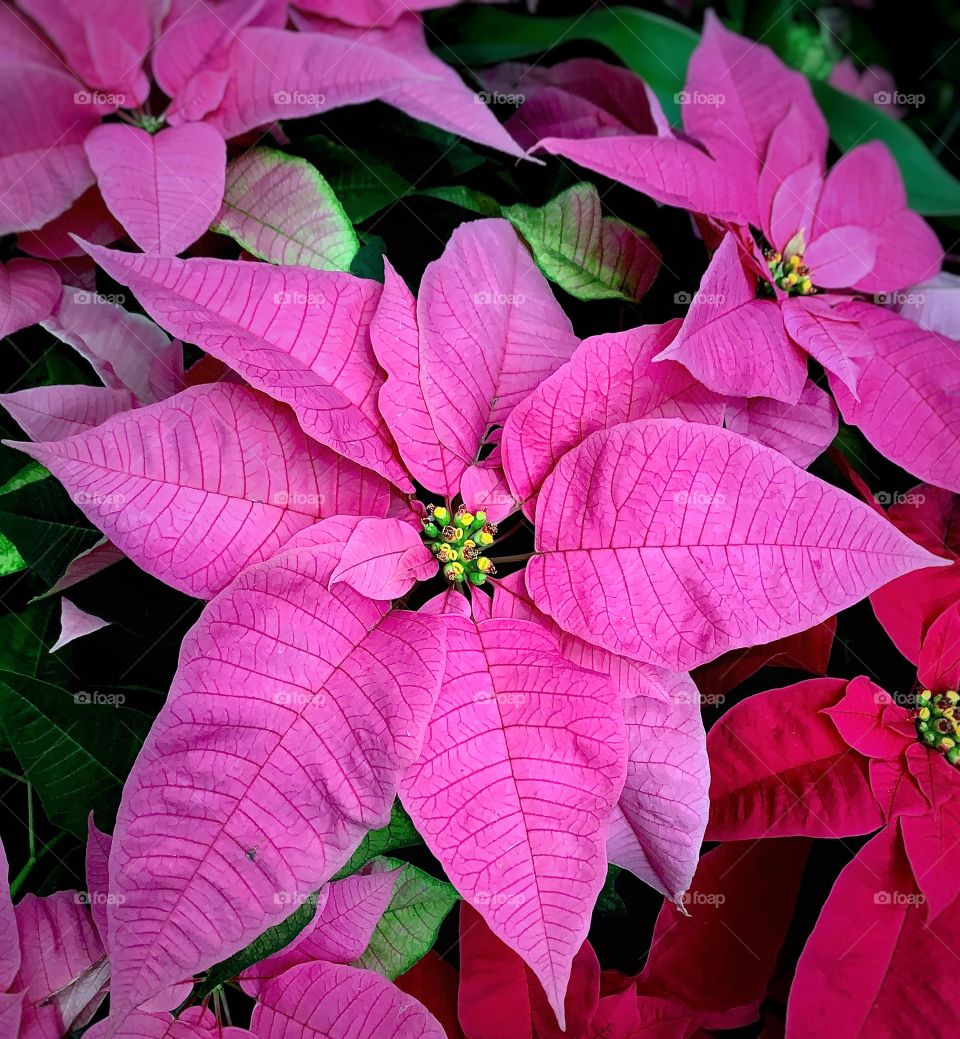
64 68
798 247
308 695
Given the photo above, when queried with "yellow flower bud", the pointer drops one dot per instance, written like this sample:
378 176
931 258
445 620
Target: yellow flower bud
440 514
467 518
484 538
483 563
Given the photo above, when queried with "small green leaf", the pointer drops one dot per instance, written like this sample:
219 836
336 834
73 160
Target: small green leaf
48 530
609 903
398 833
589 255
75 748
363 184
466 198
271 941
407 930
280 208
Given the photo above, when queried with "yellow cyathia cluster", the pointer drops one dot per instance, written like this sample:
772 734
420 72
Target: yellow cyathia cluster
937 718
790 274
459 541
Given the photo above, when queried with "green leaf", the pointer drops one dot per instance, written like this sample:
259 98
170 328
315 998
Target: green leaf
279 208
364 184
658 50
398 833
589 255
24 641
407 930
76 749
271 941
609 903
466 198
11 562
48 530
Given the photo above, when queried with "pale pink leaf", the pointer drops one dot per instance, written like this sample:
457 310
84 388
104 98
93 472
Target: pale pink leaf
75 623
909 394
56 412
104 41
384 559
128 351
740 91
829 336
29 290
88 218
97 870
195 488
674 542
290 718
801 431
724 314
330 1001
437 95
580 98
520 832
485 331
275 74
43 168
165 188
339 932
63 967
9 939
933 305
300 335
196 33
610 379
11 1012
657 827
279 208
484 487
667 168
865 188
85 565
367 13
